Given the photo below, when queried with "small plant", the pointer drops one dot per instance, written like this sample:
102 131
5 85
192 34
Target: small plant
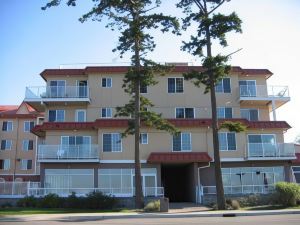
28 201
288 194
51 201
6 205
97 200
153 206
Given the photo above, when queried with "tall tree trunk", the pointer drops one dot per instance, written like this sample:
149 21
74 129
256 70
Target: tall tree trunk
215 128
139 198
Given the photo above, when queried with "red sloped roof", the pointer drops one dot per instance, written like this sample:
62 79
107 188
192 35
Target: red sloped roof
124 69
178 157
297 160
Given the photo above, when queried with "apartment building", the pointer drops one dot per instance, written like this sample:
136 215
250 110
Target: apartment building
82 148
18 145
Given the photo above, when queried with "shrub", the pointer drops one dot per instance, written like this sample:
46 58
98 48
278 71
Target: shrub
97 200
74 202
232 204
6 205
287 193
28 201
51 201
153 206
256 200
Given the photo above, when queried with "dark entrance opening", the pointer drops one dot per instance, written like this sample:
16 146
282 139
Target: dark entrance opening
177 182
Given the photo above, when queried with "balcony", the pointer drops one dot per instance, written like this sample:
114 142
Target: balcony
269 151
68 153
263 95
57 95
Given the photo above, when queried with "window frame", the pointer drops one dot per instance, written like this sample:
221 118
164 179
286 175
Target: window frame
222 92
23 167
76 114
176 92
106 78
248 109
26 122
6 141
27 145
106 110
227 149
111 140
8 122
190 140
184 112
224 114
141 138
56 115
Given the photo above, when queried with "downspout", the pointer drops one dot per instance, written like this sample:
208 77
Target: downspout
201 167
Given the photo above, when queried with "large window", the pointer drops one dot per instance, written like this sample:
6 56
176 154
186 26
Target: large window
182 142
261 145
144 138
28 125
66 181
296 171
57 89
75 140
185 113
250 114
247 88
26 164
4 164
227 141
106 113
112 142
120 182
7 126
223 86
175 85
6 144
106 82
56 115
251 179
224 113
27 145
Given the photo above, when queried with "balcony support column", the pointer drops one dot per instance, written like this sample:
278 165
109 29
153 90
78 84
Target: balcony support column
274 110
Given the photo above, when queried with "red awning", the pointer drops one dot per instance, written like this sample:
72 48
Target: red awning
178 157
297 160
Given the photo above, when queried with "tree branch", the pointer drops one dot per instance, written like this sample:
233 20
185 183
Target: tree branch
198 3
221 3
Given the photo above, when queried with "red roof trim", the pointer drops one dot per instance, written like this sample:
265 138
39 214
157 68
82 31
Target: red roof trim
124 69
297 160
178 157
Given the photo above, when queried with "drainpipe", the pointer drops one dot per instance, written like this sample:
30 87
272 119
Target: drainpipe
274 110
201 167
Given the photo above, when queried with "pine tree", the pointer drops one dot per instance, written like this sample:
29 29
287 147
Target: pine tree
211 26
134 20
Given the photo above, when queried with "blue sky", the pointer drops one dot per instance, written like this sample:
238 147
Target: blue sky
32 40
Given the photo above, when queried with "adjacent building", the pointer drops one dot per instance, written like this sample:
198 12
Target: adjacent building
18 149
80 146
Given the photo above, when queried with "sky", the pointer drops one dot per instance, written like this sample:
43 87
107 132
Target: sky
32 40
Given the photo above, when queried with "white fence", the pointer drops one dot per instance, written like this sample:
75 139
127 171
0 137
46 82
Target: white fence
240 189
271 150
15 189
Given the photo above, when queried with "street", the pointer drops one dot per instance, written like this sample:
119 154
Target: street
291 219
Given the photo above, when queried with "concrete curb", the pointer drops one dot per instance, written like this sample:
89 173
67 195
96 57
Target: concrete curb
92 217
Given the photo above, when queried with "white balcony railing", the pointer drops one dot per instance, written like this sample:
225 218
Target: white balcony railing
240 189
10 189
261 150
51 92
117 192
263 91
68 152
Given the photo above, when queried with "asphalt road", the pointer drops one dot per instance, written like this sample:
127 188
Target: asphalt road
291 219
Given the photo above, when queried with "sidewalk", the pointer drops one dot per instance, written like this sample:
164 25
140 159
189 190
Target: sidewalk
80 217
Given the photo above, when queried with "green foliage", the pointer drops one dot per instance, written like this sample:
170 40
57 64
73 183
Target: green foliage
288 194
27 202
97 200
233 126
153 206
50 201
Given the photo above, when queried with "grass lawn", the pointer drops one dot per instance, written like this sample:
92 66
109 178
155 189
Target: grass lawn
27 211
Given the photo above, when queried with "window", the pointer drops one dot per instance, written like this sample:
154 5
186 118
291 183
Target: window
80 115
106 82
112 142
250 114
7 126
56 115
57 89
223 86
28 125
224 113
26 164
143 89
175 85
75 140
185 113
227 141
6 144
261 145
247 88
106 113
182 142
144 138
4 164
27 145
